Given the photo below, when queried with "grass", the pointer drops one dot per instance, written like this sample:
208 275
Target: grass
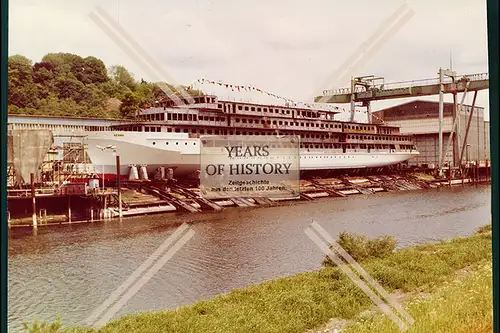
465 305
360 248
308 300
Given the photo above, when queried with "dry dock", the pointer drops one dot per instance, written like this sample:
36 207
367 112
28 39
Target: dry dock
78 204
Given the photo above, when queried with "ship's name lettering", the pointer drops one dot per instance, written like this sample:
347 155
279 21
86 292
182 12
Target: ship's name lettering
249 169
247 151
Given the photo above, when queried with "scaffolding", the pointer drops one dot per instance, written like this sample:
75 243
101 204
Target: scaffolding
53 164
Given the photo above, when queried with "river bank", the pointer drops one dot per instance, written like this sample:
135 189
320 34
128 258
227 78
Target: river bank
149 198
308 301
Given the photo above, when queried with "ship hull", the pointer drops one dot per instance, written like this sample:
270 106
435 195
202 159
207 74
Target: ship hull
182 154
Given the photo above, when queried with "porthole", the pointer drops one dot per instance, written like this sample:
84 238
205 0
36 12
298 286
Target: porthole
166 143
177 143
154 143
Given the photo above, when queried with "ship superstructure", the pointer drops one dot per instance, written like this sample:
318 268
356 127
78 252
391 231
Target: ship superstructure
167 135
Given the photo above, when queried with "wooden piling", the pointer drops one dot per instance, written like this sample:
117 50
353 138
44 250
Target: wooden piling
105 212
69 208
119 187
91 209
33 197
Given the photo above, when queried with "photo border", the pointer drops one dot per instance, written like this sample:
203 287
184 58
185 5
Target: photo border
4 43
494 88
492 11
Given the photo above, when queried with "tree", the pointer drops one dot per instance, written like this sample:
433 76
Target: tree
65 63
68 84
122 76
23 92
144 93
90 70
69 87
130 104
44 76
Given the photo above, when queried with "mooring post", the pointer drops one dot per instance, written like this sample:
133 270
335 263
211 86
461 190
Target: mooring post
91 209
105 213
119 186
32 180
69 208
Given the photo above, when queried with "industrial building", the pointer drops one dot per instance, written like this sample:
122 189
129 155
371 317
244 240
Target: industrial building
421 119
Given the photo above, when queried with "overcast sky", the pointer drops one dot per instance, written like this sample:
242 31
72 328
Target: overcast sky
289 48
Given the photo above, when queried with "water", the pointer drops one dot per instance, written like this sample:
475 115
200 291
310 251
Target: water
68 271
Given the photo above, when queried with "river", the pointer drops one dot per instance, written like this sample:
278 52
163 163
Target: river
68 271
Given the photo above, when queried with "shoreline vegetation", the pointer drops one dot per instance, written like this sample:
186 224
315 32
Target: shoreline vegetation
445 287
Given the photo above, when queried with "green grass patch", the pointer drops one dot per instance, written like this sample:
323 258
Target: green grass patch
308 300
463 306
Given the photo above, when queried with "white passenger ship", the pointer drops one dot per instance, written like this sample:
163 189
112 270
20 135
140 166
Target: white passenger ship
168 136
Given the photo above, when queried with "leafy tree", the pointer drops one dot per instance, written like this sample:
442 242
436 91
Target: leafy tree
69 87
90 70
22 90
123 77
130 104
67 84
64 62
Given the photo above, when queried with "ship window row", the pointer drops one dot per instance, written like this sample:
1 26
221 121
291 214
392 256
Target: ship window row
312 146
182 116
286 123
376 138
348 146
360 127
200 99
152 129
177 143
387 131
300 113
58 127
152 117
192 117
212 118
263 109
233 132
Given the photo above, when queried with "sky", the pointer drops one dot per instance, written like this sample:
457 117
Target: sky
289 48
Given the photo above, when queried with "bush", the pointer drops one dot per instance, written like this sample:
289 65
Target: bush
485 229
360 248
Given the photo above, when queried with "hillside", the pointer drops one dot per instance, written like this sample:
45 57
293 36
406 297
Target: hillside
65 84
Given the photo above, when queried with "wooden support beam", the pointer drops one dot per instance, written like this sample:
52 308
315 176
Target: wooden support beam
69 208
119 186
467 130
33 198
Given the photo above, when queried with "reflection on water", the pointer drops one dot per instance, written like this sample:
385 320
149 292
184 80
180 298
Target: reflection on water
69 271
